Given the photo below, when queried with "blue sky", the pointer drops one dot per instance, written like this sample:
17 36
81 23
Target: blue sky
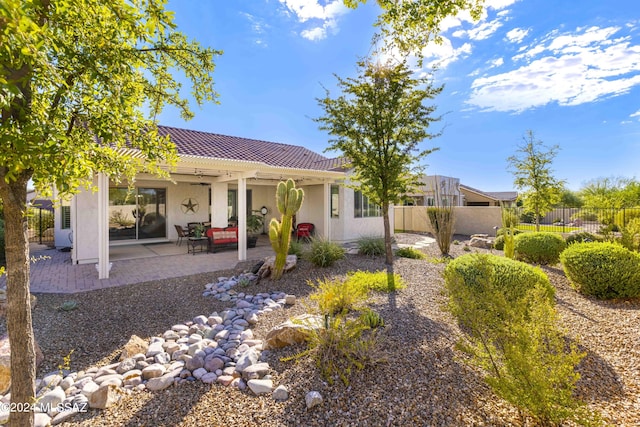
568 70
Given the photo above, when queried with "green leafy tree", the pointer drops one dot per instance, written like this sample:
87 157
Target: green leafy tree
81 83
611 193
570 199
531 168
411 25
378 124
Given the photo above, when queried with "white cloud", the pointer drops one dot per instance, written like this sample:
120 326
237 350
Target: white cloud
444 53
569 69
308 10
517 35
636 114
484 30
496 63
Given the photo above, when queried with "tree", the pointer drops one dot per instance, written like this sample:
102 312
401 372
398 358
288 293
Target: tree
570 199
411 25
533 175
378 123
81 83
611 193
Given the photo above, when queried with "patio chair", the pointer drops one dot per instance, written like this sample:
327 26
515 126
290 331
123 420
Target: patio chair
182 233
305 230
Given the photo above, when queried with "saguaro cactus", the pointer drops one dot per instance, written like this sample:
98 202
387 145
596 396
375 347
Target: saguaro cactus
289 199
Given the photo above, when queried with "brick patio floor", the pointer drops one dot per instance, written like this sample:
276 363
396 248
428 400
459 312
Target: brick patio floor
52 271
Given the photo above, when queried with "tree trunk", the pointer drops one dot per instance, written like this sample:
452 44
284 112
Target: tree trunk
537 214
19 324
387 235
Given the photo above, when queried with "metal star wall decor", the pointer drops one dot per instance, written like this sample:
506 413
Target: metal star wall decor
190 205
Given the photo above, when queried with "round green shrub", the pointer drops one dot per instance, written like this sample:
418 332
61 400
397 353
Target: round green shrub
513 278
585 215
542 248
602 269
581 237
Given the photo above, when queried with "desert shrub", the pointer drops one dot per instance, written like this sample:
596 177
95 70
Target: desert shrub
624 216
340 347
371 319
324 253
372 246
508 311
602 269
513 278
630 238
498 243
501 231
440 221
539 248
456 242
379 281
295 248
583 236
410 253
529 217
337 296
585 215
557 220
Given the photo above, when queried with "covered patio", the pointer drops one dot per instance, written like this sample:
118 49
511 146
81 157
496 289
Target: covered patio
53 271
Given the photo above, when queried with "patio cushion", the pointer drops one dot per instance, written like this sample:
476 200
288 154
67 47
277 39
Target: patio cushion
223 235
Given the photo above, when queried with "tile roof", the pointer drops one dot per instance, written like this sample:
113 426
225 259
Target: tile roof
205 144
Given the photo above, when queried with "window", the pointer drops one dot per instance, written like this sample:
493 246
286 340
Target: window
65 212
430 201
335 201
363 208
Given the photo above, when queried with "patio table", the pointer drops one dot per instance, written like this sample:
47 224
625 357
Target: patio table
197 242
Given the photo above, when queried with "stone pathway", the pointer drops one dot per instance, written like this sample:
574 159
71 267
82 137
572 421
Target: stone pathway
219 348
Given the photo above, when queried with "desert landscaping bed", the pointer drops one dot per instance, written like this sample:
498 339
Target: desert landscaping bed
424 380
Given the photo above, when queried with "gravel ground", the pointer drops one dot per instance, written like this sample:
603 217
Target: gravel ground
423 381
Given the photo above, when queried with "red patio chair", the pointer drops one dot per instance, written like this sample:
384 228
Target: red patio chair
305 230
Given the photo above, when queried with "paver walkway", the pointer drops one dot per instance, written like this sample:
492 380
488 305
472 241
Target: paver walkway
53 272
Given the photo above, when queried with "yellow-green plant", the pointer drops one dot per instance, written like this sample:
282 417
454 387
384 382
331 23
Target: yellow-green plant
340 347
337 296
379 281
507 309
288 199
509 223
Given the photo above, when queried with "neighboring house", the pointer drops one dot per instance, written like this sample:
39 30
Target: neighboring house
436 190
474 197
218 179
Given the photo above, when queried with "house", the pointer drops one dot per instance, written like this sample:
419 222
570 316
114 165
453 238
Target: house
436 190
218 179
474 197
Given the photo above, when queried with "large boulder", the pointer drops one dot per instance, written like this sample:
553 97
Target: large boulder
269 263
105 396
293 331
5 362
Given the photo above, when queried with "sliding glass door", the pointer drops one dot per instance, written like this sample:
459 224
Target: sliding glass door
137 214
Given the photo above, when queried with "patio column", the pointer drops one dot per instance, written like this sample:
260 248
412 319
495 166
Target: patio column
103 226
326 210
242 219
219 214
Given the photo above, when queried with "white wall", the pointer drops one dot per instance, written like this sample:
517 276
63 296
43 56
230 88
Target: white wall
355 228
468 219
312 209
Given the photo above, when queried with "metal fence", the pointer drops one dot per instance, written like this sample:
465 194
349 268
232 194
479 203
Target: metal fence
486 219
41 222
